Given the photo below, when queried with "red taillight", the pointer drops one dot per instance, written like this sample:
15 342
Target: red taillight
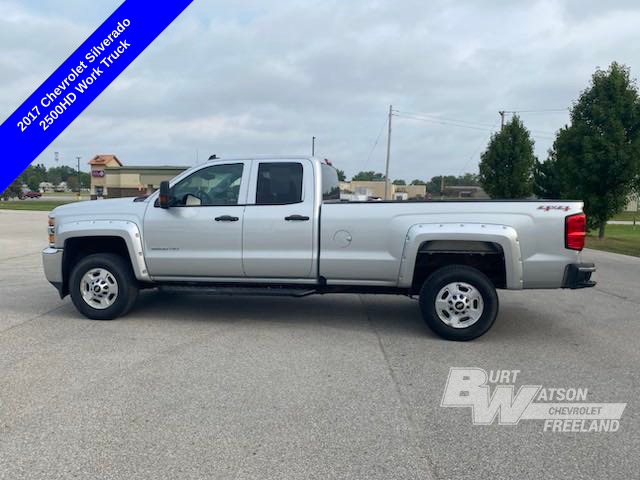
575 231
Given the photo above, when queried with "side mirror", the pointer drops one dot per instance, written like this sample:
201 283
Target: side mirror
165 195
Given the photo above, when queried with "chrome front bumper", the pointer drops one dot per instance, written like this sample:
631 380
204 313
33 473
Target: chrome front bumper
52 263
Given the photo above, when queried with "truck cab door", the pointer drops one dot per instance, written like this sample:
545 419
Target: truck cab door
200 234
279 231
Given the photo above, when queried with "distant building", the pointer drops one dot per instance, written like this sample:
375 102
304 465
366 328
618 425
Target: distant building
464 192
98 181
375 189
61 187
111 179
137 181
45 187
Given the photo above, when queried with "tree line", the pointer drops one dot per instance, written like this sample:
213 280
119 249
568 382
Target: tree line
595 158
33 175
433 185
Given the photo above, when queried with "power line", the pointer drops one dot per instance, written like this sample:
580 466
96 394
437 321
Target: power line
445 122
534 133
438 117
547 110
477 150
375 144
386 167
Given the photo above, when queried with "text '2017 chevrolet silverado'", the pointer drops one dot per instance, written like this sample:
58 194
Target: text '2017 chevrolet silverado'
276 226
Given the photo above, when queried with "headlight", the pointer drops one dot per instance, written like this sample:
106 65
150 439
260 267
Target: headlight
52 231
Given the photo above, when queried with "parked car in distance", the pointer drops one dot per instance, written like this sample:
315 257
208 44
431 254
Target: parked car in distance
32 195
276 226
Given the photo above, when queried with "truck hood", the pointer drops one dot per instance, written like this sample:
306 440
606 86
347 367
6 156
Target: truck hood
112 209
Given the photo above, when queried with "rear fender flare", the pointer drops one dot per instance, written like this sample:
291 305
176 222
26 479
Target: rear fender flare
503 235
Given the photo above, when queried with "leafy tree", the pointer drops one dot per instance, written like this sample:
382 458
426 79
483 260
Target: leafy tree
368 176
14 189
468 179
33 175
59 174
72 183
341 176
85 180
418 182
54 177
548 181
506 166
399 182
33 182
434 184
598 154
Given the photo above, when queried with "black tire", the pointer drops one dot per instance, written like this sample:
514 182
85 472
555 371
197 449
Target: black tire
450 275
127 285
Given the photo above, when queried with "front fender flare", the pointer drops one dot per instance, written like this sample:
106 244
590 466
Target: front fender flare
124 229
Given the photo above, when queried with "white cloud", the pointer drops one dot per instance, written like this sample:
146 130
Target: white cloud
263 77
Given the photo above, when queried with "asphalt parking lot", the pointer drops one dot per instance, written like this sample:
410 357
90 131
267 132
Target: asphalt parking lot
321 387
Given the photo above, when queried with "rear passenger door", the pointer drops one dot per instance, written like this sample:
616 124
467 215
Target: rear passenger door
278 231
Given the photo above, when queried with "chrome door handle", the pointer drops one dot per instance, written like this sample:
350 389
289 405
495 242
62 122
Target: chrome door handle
226 218
296 218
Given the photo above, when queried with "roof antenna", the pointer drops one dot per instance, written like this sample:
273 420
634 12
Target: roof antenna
213 157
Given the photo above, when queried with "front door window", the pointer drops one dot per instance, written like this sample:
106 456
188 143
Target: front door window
211 186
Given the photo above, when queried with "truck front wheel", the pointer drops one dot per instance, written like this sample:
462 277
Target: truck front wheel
458 302
102 286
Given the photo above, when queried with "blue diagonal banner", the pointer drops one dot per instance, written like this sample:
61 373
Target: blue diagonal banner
80 79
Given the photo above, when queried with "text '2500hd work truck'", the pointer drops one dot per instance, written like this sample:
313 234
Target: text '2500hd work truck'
276 226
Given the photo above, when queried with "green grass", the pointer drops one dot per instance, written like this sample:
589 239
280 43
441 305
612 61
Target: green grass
40 205
627 216
623 239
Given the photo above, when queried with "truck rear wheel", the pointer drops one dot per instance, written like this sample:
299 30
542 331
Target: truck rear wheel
102 286
458 302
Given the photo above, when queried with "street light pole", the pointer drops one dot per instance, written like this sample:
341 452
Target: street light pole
313 146
386 169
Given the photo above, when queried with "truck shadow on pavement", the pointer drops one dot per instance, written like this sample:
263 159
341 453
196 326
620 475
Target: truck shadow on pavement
387 314
344 311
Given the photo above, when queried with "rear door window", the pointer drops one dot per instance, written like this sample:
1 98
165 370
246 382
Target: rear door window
279 183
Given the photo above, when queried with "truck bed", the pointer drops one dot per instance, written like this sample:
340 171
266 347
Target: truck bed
378 233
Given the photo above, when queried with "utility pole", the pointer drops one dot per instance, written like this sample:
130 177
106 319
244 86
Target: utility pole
313 146
501 112
441 187
78 158
386 170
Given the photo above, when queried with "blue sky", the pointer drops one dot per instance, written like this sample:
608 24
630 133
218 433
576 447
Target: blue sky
243 77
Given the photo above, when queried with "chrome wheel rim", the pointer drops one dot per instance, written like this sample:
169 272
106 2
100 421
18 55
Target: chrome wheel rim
99 288
459 305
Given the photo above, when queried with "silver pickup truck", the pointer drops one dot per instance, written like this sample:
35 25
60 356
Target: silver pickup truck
276 226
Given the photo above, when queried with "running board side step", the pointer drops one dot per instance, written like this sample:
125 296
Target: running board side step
266 291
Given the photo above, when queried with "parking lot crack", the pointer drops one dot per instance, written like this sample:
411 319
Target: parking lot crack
404 406
31 319
620 297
